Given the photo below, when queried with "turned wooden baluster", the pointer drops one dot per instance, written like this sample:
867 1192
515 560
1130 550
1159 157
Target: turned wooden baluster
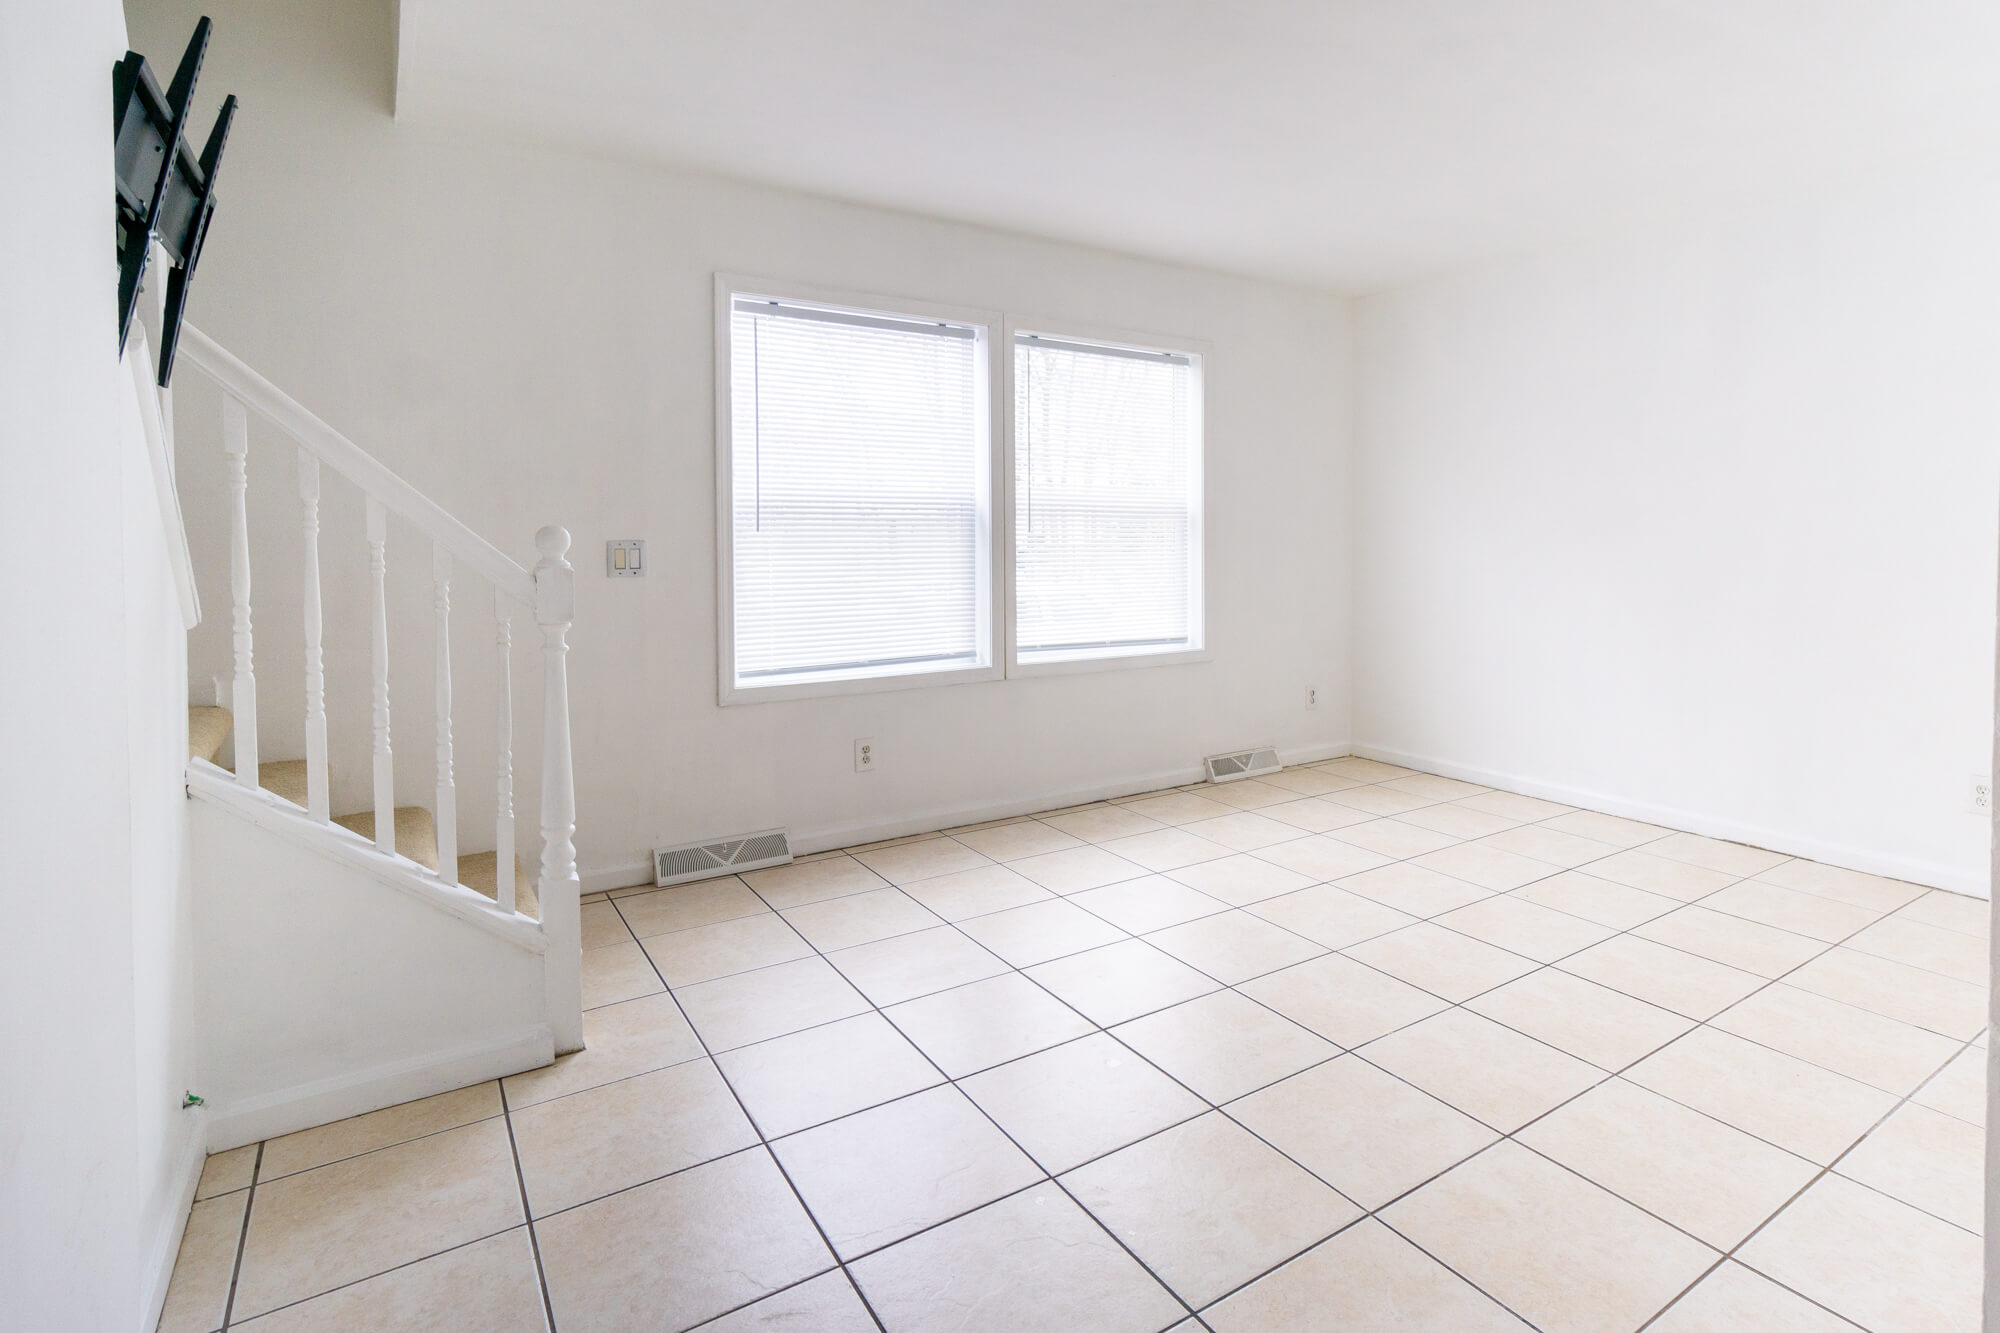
447 793
243 685
503 789
318 805
558 887
385 768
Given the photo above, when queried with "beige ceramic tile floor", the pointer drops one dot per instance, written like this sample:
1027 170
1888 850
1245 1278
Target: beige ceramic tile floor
1349 1048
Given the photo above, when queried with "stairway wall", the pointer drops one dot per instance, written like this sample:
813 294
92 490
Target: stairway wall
325 993
97 1160
165 1022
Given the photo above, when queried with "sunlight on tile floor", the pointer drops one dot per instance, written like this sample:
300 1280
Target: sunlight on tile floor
1349 1047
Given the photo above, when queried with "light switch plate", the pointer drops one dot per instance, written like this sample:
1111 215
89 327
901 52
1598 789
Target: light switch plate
625 560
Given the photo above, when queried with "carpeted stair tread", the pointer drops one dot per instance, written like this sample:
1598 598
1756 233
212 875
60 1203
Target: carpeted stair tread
208 728
416 832
480 873
286 778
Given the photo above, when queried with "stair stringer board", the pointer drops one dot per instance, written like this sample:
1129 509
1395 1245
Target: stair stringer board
327 989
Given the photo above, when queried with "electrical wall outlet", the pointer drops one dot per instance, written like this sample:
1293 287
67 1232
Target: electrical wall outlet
864 755
1312 697
1979 795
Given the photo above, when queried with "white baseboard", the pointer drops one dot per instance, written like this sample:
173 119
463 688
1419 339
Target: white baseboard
291 1109
856 832
623 875
1931 873
167 1245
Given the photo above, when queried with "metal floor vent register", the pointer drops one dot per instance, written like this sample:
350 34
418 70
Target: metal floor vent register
1242 764
726 856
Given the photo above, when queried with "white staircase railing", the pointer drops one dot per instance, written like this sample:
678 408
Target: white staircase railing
548 592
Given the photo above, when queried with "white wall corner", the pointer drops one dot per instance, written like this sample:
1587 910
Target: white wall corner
399 21
165 1247
1910 869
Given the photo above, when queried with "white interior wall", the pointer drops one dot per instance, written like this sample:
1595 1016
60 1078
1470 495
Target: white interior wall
167 1029
325 993
97 1161
526 336
1699 525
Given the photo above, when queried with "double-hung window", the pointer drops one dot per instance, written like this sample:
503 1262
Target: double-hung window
859 475
855 498
1107 502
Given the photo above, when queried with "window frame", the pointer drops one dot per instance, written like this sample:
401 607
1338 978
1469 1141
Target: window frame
1202 354
989 572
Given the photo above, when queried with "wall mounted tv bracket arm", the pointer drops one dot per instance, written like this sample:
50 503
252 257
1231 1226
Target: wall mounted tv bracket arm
165 193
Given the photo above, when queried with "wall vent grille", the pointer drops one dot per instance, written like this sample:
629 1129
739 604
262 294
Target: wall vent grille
724 856
1239 764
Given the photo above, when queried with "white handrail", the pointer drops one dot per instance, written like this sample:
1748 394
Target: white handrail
347 458
549 591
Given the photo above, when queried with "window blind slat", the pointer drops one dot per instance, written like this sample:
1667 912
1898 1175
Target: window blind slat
855 460
1105 471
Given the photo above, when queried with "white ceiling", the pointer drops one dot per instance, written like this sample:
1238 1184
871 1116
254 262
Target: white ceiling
1351 144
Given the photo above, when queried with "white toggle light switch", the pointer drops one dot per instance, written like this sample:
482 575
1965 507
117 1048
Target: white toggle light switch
624 560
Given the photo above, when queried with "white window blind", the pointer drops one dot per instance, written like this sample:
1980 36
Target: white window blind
858 480
1107 476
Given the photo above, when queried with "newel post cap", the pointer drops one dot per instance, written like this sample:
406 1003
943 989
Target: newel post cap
555 579
553 542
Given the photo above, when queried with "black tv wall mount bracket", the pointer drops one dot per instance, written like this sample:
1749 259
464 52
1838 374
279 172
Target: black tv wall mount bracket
165 193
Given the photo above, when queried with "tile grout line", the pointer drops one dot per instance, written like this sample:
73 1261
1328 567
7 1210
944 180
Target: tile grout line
1373 1213
392 1268
1540 965
1225 906
242 1238
1509 1136
1047 1176
384 1147
1699 1024
764 1142
714 1319
1826 947
1366 1214
1491 893
527 1212
1325 950
1212 1107
1822 1173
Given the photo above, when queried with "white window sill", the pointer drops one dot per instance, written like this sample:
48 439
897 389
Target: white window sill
823 686
1118 661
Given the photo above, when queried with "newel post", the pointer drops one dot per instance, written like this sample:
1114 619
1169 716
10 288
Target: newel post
558 885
